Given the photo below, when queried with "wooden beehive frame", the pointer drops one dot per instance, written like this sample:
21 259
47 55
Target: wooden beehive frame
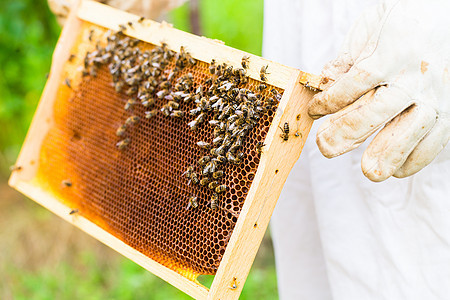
276 161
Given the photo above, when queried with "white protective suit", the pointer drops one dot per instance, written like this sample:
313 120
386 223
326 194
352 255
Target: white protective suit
338 235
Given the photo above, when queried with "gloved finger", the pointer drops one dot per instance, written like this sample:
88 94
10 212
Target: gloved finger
351 126
426 150
392 145
347 89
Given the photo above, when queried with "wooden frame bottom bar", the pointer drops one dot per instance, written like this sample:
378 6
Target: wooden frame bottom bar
48 201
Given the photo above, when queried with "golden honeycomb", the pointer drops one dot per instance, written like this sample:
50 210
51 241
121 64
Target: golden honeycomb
139 194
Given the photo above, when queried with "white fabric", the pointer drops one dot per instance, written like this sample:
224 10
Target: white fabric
336 234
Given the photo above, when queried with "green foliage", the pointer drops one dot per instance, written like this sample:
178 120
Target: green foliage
28 33
238 23
87 279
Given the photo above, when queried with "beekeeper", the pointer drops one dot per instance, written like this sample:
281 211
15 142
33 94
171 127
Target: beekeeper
337 233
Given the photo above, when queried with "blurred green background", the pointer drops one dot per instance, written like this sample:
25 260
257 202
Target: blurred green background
42 257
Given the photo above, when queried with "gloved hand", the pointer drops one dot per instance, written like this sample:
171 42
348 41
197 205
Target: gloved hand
393 71
151 9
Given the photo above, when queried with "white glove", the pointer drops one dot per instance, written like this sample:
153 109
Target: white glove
151 9
393 72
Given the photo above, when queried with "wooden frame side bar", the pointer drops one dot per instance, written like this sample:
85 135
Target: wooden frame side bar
274 167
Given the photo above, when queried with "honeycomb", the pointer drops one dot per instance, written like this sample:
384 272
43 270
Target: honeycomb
140 194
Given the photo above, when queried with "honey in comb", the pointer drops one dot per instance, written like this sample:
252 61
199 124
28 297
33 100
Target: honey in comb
139 195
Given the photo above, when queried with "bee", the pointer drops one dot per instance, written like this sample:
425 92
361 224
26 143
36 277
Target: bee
192 61
148 102
192 202
74 211
164 85
189 171
245 62
132 120
118 86
263 73
130 24
67 82
194 124
15 168
297 133
161 94
212 67
213 152
221 188
276 94
141 19
230 157
122 27
214 122
211 167
173 104
262 87
285 132
206 169
199 90
204 145
194 179
123 144
214 201
217 140
259 147
177 114
226 86
121 130
151 114
129 91
204 104
71 57
208 81
232 118
130 103
166 109
226 112
234 148
221 159
228 140
260 109
239 158
205 181
221 150
66 183
91 34
187 98
217 174
204 160
212 185
195 111
239 72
